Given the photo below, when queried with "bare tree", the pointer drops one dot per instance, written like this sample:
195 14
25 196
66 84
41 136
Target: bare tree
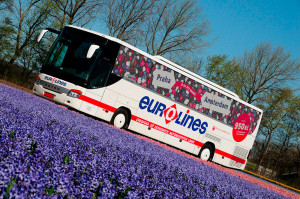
163 27
124 18
194 65
68 12
176 28
6 4
30 62
283 145
28 16
263 69
32 59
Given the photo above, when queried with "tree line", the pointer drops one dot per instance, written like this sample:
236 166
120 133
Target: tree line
265 76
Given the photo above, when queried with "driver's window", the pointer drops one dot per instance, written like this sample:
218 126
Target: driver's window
58 55
100 74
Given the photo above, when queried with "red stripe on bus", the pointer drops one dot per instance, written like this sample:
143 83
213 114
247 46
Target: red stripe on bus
182 137
227 155
97 103
160 128
166 131
49 95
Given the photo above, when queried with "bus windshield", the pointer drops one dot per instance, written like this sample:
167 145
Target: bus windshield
68 58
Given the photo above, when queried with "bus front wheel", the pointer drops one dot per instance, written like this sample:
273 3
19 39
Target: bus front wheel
120 119
206 152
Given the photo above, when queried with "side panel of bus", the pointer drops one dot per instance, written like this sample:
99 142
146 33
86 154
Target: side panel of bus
182 89
166 87
148 120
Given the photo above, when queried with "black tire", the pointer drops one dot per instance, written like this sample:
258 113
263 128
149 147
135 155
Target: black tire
120 119
207 152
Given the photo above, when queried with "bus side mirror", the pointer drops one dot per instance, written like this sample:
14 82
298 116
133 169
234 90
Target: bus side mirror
46 30
92 50
41 35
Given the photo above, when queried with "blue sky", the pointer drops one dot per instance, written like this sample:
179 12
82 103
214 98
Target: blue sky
239 25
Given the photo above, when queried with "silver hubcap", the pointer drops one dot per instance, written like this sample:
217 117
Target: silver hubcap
205 154
119 121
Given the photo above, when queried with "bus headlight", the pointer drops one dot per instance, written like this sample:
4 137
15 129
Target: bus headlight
74 93
38 79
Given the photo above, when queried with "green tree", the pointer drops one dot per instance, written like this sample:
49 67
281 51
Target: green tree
278 105
6 37
260 71
6 43
223 71
286 136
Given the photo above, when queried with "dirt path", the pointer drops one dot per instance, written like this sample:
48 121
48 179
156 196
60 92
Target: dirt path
15 86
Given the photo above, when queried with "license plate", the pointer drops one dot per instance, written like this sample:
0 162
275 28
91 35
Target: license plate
49 95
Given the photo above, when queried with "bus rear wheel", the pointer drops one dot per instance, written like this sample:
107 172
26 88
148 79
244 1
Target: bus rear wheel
206 152
120 119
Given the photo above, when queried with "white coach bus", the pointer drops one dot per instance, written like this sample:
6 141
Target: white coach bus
107 78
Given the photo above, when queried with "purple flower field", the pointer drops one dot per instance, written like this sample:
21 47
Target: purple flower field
47 151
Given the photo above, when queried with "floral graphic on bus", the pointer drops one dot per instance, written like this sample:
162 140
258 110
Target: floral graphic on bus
160 79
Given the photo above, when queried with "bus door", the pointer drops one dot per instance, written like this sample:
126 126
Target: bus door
96 87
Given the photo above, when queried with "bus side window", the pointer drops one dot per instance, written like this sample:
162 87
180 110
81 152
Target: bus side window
100 74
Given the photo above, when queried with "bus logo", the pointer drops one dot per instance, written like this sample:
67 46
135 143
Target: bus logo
54 80
171 113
